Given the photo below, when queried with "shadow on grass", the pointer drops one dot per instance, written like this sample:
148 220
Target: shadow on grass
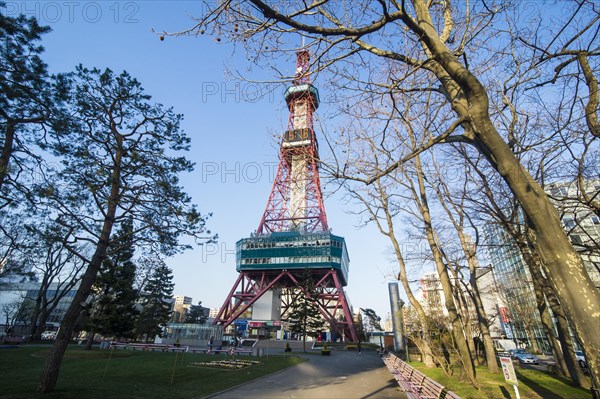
505 392
537 388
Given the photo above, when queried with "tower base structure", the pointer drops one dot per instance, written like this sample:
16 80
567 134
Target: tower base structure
277 263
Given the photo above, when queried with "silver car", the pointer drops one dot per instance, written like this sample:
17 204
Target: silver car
527 358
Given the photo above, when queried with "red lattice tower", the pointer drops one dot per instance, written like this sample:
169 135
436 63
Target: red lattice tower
293 236
296 200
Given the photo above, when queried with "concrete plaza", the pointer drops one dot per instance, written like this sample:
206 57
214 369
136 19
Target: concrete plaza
343 375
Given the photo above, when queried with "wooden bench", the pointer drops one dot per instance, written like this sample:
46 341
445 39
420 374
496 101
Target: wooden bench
13 340
401 371
157 348
149 347
135 347
236 351
429 389
415 384
177 348
200 350
222 351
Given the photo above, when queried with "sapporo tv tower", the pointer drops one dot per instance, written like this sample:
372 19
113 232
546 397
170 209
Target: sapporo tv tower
293 235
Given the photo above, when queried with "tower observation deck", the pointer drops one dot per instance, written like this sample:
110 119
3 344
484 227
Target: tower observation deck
293 235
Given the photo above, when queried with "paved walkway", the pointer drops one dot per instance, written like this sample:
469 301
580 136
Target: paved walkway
343 375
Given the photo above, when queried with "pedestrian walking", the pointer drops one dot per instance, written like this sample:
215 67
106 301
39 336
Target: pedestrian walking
358 348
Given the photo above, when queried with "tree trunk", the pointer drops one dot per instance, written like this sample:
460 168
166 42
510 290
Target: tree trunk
304 336
52 366
43 316
564 337
566 358
484 327
549 330
463 310
531 334
471 343
469 249
89 340
591 108
426 349
7 150
35 315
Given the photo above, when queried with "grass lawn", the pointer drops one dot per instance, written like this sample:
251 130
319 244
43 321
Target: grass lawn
126 374
533 384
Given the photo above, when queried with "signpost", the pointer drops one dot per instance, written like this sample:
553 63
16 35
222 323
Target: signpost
509 374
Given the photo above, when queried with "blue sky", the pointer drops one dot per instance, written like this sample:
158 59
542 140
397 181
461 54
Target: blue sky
232 131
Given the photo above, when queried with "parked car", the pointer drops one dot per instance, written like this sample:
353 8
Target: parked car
49 335
527 358
581 359
514 353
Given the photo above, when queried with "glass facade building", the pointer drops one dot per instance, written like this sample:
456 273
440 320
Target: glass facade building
520 319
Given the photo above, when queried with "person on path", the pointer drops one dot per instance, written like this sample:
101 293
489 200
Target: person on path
358 348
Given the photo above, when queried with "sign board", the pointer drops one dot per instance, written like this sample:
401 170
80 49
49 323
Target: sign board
508 370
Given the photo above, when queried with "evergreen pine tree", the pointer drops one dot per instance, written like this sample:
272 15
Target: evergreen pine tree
156 305
197 314
304 317
115 312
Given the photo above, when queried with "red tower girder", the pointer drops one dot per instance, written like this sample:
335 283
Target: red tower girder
250 286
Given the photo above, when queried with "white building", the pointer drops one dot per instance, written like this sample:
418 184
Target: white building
432 295
181 306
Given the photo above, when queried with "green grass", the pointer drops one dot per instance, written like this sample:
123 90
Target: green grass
533 384
126 374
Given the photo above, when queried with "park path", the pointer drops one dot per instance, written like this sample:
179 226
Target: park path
343 375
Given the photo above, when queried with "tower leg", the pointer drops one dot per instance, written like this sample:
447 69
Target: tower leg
248 288
332 301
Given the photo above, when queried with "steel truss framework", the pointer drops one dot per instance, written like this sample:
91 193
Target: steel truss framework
279 215
331 300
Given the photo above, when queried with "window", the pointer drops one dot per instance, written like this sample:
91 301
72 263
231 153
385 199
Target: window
558 192
569 222
576 239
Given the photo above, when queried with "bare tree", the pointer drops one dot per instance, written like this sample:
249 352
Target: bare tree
432 38
57 268
381 208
